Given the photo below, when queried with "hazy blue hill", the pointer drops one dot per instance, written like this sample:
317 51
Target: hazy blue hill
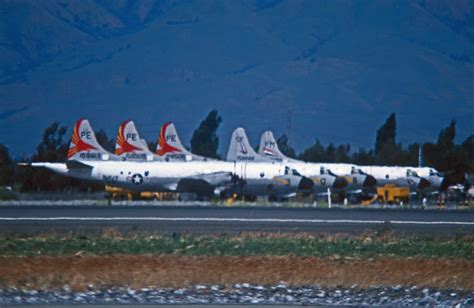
340 67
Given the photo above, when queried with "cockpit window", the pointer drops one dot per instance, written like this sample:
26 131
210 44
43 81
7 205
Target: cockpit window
294 172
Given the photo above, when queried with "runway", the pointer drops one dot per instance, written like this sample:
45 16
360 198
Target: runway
231 220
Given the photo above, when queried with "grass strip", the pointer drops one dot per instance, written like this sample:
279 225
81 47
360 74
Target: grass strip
239 246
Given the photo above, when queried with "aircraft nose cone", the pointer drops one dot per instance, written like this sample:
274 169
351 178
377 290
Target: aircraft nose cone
369 181
424 183
339 183
305 184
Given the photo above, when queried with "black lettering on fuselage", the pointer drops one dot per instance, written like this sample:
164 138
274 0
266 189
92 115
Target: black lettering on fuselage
87 155
110 178
135 156
176 156
239 157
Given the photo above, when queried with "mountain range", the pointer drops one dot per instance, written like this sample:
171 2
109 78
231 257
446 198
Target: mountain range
332 70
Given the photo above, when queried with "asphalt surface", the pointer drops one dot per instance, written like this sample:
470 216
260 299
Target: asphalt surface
204 220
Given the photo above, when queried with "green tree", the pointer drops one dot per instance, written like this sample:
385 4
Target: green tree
204 141
468 148
448 157
342 153
315 153
363 157
6 167
52 148
410 155
446 136
387 151
284 147
386 134
107 143
331 153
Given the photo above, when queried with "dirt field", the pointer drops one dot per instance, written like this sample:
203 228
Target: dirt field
179 271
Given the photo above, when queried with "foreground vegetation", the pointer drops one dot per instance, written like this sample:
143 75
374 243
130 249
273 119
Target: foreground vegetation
249 245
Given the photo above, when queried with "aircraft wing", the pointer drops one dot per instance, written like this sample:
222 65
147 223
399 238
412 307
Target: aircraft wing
203 184
200 182
214 178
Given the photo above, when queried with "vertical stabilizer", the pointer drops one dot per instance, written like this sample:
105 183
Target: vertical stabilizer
169 146
168 141
269 147
240 149
84 145
129 146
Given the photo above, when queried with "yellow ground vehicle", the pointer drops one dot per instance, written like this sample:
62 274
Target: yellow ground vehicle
116 193
389 193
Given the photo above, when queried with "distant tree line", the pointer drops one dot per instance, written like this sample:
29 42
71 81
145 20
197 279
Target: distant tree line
444 155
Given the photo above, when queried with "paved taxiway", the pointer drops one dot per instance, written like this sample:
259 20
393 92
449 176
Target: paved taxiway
195 219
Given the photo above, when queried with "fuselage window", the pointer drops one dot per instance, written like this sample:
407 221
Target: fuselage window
147 173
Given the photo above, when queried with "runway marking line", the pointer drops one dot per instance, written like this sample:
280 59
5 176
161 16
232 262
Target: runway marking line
215 219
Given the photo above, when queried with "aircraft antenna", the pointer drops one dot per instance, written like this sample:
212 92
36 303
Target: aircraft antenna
289 125
420 156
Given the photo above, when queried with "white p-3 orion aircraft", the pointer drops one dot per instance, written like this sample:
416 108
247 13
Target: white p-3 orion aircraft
361 178
88 160
357 182
241 151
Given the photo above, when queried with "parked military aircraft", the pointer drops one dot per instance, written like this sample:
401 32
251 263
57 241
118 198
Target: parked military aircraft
356 182
88 160
241 151
360 178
